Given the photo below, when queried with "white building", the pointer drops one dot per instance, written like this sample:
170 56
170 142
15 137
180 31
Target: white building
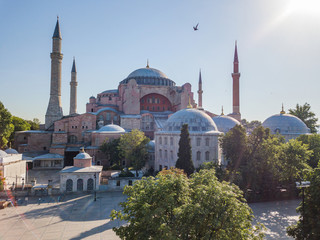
203 135
12 168
82 176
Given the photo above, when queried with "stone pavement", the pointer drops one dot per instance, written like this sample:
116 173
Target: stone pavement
77 216
74 217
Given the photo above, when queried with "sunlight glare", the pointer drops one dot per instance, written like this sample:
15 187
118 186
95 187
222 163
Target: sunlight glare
305 7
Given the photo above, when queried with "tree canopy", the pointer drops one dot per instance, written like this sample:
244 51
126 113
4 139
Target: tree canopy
184 160
19 125
173 206
111 149
133 147
6 126
306 115
313 142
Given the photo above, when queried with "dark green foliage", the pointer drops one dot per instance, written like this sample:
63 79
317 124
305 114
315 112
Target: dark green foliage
308 226
34 124
313 142
111 150
6 126
173 206
19 125
250 126
126 174
309 118
184 161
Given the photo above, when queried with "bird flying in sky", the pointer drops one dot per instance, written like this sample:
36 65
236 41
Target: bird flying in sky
196 27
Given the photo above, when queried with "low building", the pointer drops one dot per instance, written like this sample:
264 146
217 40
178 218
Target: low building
82 176
48 161
12 168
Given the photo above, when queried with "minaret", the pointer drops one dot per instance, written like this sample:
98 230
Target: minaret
200 91
54 110
73 89
236 76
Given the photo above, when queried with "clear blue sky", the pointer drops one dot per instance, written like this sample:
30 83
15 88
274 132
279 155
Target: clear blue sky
278 47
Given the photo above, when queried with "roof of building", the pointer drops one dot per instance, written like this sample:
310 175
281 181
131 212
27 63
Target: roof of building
82 155
3 154
73 169
149 76
57 33
111 91
48 156
11 151
285 124
197 120
111 128
225 123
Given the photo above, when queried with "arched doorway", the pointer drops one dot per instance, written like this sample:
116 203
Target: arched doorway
69 185
79 184
90 184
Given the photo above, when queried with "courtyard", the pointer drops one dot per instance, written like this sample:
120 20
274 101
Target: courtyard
78 216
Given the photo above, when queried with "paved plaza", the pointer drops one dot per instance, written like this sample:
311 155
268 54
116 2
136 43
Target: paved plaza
77 216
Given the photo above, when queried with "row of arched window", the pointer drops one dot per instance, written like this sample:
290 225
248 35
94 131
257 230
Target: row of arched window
165 140
198 157
69 185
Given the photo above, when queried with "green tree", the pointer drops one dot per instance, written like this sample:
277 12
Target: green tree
133 147
34 124
184 161
313 142
111 149
173 206
6 126
19 125
234 146
308 226
306 115
250 126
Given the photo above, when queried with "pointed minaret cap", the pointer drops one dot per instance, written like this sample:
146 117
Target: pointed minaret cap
189 105
282 110
147 63
236 54
74 65
57 33
222 111
200 79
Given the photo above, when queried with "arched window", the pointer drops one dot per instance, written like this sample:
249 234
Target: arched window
72 139
207 141
198 141
198 155
160 140
171 155
171 141
207 155
79 184
69 185
160 153
165 154
90 184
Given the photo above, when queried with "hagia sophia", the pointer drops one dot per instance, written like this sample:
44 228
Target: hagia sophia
147 100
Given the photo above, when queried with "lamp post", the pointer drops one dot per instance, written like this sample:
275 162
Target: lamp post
302 185
95 184
22 183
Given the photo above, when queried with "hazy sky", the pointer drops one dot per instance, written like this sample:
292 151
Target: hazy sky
278 47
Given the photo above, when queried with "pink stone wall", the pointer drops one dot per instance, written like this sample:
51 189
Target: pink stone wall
57 151
82 162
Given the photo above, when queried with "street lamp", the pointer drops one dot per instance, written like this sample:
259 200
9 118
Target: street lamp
302 185
95 183
22 183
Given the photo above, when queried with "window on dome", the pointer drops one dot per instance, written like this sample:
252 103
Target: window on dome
204 129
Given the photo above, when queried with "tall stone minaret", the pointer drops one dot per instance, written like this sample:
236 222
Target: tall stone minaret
73 89
236 76
200 91
54 110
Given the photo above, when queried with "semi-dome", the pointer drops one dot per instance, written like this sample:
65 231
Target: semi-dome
111 128
225 123
3 154
149 76
197 120
286 124
11 151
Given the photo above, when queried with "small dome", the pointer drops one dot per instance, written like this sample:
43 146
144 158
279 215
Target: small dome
111 128
11 151
149 76
82 155
225 123
92 97
286 124
151 146
3 154
197 120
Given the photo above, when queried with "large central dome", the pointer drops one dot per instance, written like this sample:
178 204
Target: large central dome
149 76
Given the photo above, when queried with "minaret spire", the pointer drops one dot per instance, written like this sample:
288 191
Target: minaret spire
54 110
73 89
236 92
200 91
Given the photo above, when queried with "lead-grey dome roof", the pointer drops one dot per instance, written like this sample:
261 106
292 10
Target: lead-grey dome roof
3 154
11 151
82 155
111 128
149 76
197 120
225 123
285 124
